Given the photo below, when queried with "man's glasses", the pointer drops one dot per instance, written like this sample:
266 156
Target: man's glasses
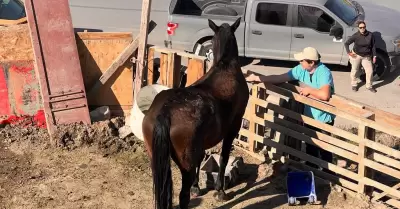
361 27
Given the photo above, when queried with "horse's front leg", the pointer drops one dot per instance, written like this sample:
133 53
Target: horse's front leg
223 160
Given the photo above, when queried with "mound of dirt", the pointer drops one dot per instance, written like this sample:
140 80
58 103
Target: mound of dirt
104 135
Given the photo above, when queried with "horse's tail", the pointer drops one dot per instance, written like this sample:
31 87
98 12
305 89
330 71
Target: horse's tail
161 163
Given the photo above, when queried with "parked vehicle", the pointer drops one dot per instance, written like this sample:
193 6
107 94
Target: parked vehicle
270 29
277 29
11 10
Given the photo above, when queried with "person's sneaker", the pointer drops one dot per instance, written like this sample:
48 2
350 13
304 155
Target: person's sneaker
354 88
371 89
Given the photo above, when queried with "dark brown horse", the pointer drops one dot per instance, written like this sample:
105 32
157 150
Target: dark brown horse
183 122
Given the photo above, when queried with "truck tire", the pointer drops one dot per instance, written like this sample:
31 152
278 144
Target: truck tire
381 68
206 50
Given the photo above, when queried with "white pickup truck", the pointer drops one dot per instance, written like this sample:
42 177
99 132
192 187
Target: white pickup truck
277 29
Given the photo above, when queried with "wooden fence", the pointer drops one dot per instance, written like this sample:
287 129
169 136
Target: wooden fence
277 108
175 68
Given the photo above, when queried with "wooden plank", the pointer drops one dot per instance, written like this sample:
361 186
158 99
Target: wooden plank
382 168
121 59
104 35
362 154
380 195
382 148
96 56
140 61
252 142
313 159
386 160
194 71
5 22
333 110
314 134
150 67
163 69
311 140
180 53
174 66
389 190
312 122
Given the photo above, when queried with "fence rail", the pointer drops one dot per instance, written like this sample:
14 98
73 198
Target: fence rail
269 108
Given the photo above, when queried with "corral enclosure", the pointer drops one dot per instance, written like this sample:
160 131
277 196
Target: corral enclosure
90 170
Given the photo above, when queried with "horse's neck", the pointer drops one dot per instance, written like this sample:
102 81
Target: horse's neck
222 80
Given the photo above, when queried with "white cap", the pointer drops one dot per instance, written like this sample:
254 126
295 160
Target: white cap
308 53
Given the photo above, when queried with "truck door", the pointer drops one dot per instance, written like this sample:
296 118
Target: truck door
311 27
269 31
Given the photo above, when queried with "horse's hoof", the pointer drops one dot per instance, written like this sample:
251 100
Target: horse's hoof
221 196
195 192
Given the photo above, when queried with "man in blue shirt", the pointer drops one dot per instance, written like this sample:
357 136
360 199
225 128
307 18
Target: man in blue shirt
319 81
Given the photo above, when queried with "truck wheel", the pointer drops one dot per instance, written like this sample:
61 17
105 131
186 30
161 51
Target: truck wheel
381 68
206 50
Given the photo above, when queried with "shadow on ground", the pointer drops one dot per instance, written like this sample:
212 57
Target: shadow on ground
273 186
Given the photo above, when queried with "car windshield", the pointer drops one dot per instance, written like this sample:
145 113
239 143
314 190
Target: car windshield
11 9
343 9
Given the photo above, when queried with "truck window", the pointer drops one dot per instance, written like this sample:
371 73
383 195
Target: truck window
314 18
271 13
11 10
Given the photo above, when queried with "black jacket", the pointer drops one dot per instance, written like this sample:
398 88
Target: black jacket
364 44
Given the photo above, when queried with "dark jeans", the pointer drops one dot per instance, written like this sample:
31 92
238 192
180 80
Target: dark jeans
318 152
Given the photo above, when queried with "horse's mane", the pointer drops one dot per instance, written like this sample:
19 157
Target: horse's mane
225 46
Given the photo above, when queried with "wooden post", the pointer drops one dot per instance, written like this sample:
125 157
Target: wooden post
150 67
364 132
174 63
195 70
140 61
252 124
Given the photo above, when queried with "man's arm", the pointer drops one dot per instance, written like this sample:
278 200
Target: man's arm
348 42
275 79
324 93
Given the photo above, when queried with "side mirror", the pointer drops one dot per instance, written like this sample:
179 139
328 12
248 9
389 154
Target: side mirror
336 31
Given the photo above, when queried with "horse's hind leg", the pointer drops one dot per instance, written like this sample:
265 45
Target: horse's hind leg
224 157
195 190
188 178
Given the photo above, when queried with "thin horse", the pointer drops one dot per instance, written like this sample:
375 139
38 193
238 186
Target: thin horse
182 123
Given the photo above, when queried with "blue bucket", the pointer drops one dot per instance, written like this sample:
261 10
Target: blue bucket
301 185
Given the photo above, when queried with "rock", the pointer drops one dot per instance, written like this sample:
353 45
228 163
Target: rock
124 132
99 114
337 188
264 171
118 122
342 163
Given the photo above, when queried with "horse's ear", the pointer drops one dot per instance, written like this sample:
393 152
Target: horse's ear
212 25
236 24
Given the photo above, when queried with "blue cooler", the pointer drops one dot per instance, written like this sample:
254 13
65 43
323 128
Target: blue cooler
301 185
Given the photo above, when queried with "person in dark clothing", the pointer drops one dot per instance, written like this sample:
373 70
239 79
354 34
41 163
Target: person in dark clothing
364 53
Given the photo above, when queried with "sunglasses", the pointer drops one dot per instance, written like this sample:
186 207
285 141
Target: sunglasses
362 27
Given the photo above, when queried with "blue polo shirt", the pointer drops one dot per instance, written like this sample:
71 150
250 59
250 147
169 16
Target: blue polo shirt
321 77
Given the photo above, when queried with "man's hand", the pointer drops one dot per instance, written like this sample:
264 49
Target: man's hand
374 59
305 91
252 78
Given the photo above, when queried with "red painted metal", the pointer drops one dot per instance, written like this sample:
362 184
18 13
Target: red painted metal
4 101
19 89
57 62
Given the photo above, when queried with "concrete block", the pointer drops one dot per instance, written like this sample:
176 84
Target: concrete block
209 171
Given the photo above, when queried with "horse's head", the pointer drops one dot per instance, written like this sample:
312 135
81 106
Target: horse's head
225 46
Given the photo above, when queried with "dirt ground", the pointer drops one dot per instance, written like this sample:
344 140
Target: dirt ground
90 167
